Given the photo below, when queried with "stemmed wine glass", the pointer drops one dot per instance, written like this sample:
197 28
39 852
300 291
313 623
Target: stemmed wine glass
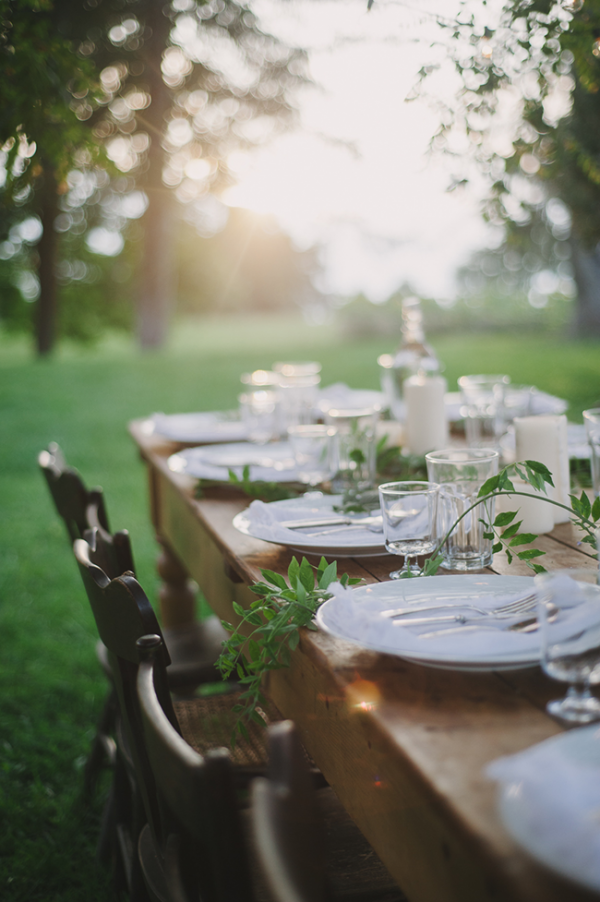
569 617
409 511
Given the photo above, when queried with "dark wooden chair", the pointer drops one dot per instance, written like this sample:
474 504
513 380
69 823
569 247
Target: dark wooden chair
194 649
195 849
123 615
307 849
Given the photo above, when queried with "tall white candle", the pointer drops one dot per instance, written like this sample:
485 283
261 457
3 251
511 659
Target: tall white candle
426 422
535 512
544 438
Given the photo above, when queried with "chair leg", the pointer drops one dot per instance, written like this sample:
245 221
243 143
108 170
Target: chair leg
102 753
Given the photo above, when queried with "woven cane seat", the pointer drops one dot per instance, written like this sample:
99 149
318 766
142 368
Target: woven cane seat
207 723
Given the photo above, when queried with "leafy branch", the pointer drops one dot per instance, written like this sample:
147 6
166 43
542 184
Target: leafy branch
274 621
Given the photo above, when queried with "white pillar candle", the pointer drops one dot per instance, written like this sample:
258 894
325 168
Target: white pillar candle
426 422
544 438
535 512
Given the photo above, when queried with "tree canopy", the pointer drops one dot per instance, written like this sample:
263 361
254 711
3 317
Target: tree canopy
165 92
526 116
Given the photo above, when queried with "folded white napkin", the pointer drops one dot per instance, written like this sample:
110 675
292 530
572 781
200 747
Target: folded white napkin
551 801
265 522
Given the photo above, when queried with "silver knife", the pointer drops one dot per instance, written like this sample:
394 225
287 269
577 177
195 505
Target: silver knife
330 521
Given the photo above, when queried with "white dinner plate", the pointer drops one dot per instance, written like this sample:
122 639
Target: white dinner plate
551 803
355 615
210 426
273 462
260 521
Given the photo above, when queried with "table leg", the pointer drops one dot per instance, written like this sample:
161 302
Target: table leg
177 594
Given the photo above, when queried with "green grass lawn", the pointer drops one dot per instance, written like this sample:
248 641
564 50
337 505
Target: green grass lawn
51 689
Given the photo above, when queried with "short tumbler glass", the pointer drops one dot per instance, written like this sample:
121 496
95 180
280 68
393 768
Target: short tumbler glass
313 449
460 473
409 511
483 411
355 447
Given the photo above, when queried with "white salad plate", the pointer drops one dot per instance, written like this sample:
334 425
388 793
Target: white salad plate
215 426
355 615
262 521
549 802
273 462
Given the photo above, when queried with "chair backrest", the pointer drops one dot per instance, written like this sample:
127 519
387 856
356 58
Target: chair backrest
287 830
81 508
123 614
202 840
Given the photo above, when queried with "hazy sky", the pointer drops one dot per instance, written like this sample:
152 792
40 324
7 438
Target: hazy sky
379 208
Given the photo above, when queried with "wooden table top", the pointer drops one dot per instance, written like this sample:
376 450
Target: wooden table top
404 746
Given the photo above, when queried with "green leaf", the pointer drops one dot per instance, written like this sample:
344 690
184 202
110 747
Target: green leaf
497 547
542 469
293 571
238 609
357 456
276 579
537 568
489 486
488 535
512 530
307 576
596 510
524 539
328 576
586 505
503 519
432 565
529 553
293 639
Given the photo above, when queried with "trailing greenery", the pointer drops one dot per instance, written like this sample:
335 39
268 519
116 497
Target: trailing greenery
274 620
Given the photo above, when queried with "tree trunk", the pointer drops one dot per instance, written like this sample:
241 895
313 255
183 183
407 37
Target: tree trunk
586 267
46 305
156 275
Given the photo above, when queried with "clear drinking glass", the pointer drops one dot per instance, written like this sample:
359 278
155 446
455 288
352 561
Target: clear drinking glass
355 447
409 511
591 418
460 473
569 617
259 411
298 395
313 449
483 409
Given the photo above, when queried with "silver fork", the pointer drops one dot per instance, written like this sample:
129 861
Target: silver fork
528 625
519 606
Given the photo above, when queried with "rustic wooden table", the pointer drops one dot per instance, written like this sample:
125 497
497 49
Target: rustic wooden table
403 745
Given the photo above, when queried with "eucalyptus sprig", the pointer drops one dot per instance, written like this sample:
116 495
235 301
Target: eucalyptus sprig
274 621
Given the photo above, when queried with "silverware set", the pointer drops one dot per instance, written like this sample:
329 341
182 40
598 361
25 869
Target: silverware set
520 613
